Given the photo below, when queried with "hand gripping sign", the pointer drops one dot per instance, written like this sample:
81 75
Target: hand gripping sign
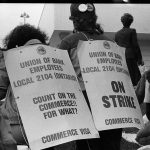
50 102
108 84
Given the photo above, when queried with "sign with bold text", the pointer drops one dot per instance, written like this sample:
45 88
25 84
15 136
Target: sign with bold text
50 102
108 84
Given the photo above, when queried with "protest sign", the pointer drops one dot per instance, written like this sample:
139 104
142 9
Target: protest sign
108 84
50 102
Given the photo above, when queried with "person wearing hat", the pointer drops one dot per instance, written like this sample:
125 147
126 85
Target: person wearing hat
127 37
86 28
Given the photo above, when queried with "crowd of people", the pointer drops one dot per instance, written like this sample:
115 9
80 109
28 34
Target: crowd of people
85 25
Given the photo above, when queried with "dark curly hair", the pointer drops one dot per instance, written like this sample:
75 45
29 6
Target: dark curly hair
127 19
23 33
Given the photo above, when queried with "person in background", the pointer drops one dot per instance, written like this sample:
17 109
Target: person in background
127 37
143 95
85 24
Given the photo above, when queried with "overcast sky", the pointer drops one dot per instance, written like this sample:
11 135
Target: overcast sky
10 16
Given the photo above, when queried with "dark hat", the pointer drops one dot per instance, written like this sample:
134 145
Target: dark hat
82 10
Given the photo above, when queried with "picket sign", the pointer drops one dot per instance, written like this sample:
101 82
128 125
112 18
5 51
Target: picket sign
108 84
49 99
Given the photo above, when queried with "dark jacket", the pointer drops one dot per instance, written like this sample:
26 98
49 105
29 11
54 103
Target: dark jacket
127 37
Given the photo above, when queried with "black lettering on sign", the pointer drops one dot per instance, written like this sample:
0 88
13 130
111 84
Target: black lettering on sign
56 104
109 61
108 68
110 54
97 54
59 135
49 114
90 69
23 82
112 121
117 56
65 76
62 95
30 63
58 61
71 95
67 111
106 102
85 131
44 98
118 86
118 101
43 68
42 77
46 60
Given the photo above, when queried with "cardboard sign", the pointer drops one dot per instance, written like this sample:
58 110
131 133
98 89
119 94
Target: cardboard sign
108 84
51 104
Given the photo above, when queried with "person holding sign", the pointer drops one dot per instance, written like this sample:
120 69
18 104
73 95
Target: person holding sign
127 37
85 28
143 94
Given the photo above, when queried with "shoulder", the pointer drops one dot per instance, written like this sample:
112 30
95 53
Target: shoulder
133 30
70 37
67 41
74 37
119 31
71 41
105 37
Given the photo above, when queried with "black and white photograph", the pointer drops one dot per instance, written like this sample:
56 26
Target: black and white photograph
75 76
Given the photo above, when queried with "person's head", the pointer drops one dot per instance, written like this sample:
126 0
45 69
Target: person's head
22 34
127 19
84 17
